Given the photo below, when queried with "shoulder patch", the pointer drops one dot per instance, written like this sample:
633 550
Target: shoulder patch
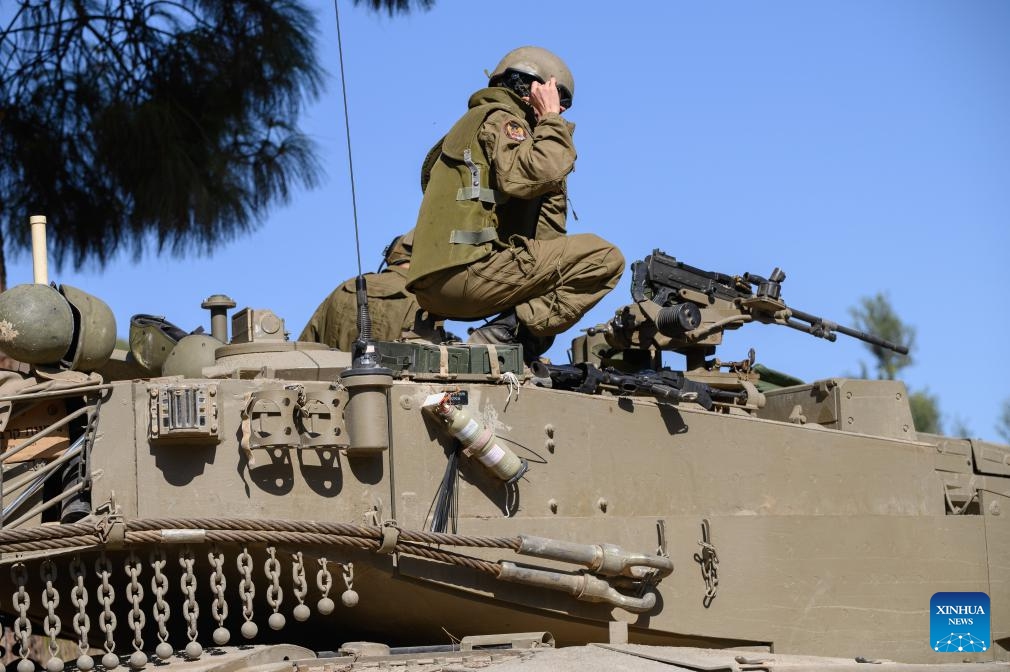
515 130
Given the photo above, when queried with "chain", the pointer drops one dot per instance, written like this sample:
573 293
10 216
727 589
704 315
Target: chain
349 575
349 596
272 567
247 591
79 598
106 594
299 587
709 561
219 608
134 594
21 601
50 600
324 581
190 609
159 586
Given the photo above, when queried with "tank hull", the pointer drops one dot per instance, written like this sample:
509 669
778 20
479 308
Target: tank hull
828 542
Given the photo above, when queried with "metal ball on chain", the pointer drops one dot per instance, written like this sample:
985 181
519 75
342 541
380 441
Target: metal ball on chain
221 636
25 665
249 630
164 651
276 621
85 663
138 660
349 598
194 650
325 606
54 664
301 612
110 661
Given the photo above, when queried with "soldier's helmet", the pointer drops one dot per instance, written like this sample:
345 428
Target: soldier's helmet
541 65
64 326
94 330
400 249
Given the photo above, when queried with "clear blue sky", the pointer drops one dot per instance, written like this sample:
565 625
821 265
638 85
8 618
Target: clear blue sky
862 146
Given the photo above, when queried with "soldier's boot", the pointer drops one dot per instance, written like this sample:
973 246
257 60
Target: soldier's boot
502 330
507 330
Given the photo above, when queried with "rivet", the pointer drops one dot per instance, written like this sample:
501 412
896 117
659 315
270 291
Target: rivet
405 403
849 420
602 504
553 504
848 395
212 391
549 444
994 508
897 395
549 429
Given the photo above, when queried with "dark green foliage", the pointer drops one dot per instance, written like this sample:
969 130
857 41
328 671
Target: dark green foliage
876 315
925 412
135 122
394 6
1003 424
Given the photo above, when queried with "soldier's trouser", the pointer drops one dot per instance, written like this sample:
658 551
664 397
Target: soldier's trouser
550 283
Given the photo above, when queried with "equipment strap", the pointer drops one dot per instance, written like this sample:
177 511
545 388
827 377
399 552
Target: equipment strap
475 192
485 235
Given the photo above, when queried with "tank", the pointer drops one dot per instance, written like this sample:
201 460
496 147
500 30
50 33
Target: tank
285 493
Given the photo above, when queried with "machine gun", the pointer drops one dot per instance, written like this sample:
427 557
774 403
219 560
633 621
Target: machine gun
685 309
664 384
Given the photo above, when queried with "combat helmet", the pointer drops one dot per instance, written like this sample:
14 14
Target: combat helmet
540 64
36 324
61 326
94 330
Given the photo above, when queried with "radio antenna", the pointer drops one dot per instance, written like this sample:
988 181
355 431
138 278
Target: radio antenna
347 128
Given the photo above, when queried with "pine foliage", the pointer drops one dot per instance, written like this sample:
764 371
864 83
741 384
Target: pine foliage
169 123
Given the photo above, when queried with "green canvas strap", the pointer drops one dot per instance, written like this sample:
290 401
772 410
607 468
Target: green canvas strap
485 235
475 192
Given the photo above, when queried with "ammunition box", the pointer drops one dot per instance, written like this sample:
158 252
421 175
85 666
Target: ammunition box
424 361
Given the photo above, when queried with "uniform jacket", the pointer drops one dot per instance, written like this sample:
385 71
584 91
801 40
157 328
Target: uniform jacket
390 305
497 173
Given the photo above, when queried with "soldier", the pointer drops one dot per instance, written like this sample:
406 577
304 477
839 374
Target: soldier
490 234
392 308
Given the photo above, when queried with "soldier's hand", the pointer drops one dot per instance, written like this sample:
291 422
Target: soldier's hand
545 98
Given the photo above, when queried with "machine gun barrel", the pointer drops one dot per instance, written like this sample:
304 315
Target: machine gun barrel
825 329
670 284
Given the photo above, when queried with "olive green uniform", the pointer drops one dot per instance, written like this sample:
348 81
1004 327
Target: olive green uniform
490 233
391 306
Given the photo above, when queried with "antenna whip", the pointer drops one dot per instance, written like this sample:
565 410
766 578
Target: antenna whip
347 128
